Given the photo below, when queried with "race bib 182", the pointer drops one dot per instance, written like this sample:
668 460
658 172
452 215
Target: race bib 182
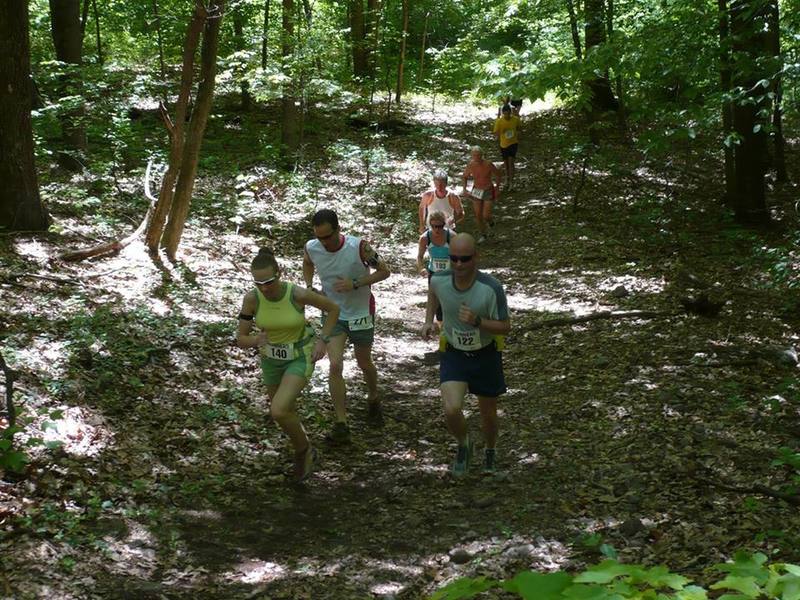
440 264
466 339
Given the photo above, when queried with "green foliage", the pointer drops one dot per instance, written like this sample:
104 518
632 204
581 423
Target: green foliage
748 576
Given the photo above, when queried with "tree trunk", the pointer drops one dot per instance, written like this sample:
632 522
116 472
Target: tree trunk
372 25
21 206
358 33
68 40
402 61
239 46
197 127
573 25
290 130
265 36
155 227
422 47
97 32
160 42
601 97
774 49
727 105
747 20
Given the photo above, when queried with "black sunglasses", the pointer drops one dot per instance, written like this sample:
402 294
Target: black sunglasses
438 226
463 259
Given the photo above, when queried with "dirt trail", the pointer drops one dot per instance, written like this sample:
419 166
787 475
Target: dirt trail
604 427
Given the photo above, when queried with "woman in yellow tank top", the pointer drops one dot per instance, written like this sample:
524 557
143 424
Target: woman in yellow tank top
286 344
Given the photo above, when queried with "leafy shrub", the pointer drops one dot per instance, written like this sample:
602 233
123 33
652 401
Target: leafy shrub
748 576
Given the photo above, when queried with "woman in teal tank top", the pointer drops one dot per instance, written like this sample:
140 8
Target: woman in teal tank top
436 241
286 344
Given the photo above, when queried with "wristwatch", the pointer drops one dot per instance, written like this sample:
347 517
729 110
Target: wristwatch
478 321
355 283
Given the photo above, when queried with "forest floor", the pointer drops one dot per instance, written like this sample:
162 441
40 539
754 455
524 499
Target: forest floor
167 478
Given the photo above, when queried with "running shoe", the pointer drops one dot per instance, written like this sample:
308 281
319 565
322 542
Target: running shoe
489 461
339 435
374 414
304 462
463 458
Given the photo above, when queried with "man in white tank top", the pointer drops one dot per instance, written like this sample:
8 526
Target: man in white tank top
440 199
343 264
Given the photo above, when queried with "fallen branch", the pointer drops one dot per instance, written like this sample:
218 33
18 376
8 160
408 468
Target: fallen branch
606 314
793 499
11 376
116 246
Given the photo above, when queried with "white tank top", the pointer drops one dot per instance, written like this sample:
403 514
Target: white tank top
439 205
345 263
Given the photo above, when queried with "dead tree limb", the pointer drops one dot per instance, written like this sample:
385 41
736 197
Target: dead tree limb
116 246
11 376
606 314
763 490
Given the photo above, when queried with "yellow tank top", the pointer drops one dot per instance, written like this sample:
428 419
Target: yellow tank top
283 320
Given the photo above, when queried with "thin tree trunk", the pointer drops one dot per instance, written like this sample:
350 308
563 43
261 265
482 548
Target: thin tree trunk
290 132
265 36
97 32
155 227
160 42
422 47
746 28
21 206
601 96
573 25
68 41
774 40
197 127
84 16
239 46
727 106
372 22
358 33
402 60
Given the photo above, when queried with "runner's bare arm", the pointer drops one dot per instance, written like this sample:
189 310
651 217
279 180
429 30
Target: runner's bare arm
423 202
308 297
308 270
423 245
458 208
494 326
370 258
243 337
430 310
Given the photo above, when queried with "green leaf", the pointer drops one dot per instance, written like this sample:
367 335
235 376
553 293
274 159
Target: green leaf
589 592
539 586
745 585
608 550
466 587
606 571
14 460
692 592
5 445
747 565
54 444
658 577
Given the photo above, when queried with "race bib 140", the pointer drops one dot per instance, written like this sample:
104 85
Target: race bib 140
278 351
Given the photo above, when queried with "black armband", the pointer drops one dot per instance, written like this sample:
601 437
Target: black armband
245 317
373 260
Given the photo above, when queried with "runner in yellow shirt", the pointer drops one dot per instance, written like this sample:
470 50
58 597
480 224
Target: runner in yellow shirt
506 128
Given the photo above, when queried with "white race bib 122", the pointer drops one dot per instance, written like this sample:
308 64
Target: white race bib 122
361 323
278 351
466 339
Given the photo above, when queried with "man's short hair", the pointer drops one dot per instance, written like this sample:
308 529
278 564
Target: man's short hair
476 149
506 108
440 174
326 215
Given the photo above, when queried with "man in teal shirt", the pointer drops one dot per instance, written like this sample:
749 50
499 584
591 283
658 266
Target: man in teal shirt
475 315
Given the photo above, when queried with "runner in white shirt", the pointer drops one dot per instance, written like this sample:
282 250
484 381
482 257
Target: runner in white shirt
440 199
343 264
